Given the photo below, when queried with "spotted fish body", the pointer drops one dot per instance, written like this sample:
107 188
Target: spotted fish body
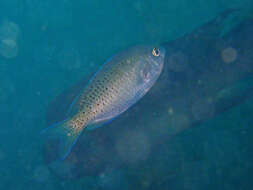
120 83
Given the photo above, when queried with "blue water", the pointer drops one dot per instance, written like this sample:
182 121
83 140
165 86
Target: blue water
47 46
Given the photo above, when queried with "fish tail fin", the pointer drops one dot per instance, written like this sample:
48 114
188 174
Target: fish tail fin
65 135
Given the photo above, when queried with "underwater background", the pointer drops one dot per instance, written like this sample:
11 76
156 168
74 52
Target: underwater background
167 141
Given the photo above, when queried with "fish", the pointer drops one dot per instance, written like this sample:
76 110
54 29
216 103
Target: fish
123 80
193 70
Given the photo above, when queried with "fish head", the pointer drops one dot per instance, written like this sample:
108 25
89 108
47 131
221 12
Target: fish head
151 63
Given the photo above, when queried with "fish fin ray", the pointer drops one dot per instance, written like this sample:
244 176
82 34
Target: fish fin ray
43 131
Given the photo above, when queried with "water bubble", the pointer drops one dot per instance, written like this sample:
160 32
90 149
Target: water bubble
8 48
229 55
133 147
9 32
170 111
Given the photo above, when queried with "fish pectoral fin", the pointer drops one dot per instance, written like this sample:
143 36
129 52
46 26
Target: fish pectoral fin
65 137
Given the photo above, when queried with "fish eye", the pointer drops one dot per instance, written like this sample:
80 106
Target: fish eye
156 52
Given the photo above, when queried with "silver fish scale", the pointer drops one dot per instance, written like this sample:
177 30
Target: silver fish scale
118 91
107 94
